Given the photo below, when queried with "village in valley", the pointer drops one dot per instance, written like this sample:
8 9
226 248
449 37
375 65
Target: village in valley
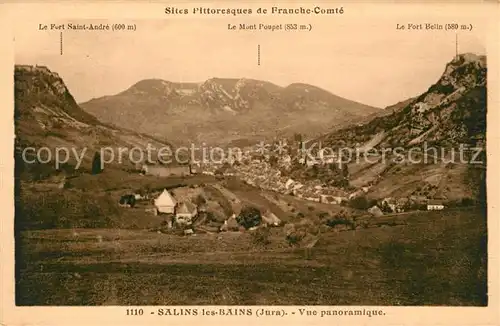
186 210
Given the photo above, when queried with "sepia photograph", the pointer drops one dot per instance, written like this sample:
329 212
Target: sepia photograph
299 157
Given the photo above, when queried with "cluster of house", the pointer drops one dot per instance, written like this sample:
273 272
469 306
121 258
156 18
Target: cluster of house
180 170
130 200
259 173
166 170
399 205
268 219
435 205
182 213
219 170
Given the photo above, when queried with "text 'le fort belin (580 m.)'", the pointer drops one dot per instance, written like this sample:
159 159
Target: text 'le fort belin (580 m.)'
433 26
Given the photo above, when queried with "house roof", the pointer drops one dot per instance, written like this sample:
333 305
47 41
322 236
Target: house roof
402 201
186 208
419 199
330 198
375 210
232 222
165 199
270 218
390 200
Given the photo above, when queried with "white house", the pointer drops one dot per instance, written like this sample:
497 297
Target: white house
327 157
185 213
231 224
298 186
270 219
165 203
230 172
289 183
328 199
421 107
286 159
435 205
139 196
375 211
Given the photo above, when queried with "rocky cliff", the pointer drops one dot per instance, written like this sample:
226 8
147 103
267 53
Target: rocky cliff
450 112
47 116
436 127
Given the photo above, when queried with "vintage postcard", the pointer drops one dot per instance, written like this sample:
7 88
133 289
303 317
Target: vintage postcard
252 162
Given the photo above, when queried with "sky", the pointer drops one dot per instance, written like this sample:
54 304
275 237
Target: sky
365 59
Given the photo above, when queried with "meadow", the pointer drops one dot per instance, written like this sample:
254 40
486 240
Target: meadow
434 258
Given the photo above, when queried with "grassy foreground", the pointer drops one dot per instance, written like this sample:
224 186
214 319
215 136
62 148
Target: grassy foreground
438 258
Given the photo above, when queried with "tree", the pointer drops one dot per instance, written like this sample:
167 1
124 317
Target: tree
467 201
294 238
386 208
261 237
96 164
341 218
372 202
273 160
297 137
249 217
323 215
359 202
345 171
200 200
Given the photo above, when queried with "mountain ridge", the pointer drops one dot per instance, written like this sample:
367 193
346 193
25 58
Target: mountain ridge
225 109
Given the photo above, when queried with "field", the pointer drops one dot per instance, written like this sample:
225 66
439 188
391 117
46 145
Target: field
436 258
